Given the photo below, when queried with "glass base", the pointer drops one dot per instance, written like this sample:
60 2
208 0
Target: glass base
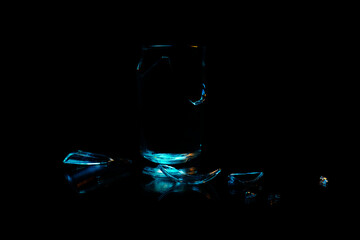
170 158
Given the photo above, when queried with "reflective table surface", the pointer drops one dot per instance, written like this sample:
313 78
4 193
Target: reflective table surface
135 195
131 181
288 122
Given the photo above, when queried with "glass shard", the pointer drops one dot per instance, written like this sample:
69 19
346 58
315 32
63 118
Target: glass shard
323 181
166 186
244 178
273 199
86 158
249 194
189 178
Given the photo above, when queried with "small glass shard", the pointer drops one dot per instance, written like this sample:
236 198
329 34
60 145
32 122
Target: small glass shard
273 199
189 178
323 181
244 178
86 158
250 195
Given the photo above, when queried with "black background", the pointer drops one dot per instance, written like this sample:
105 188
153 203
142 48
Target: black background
278 101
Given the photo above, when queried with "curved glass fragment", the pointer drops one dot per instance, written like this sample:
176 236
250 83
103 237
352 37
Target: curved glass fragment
86 158
202 98
181 176
244 178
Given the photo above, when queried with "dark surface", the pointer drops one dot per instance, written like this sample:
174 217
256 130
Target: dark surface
277 102
266 112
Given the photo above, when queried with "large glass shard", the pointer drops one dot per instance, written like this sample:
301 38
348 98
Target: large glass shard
86 158
181 176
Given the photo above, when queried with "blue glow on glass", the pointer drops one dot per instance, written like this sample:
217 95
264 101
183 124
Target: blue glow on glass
86 158
246 177
154 172
183 177
139 65
202 98
170 158
161 45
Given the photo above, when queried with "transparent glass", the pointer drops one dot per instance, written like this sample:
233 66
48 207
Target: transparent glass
86 158
172 94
